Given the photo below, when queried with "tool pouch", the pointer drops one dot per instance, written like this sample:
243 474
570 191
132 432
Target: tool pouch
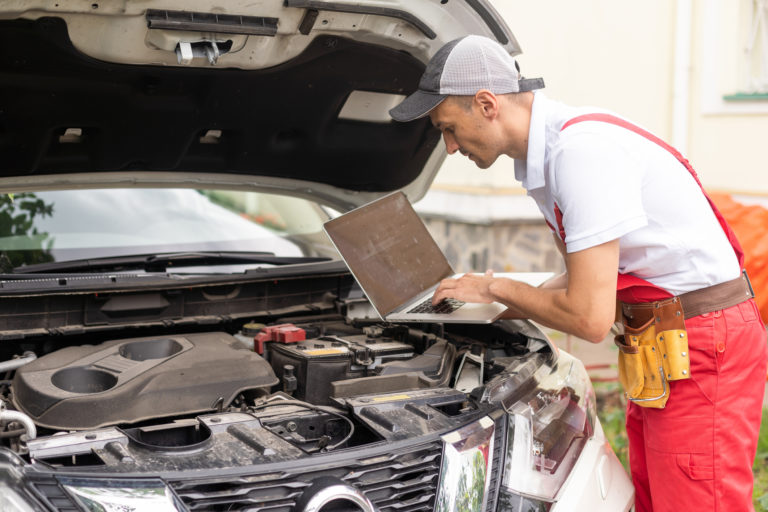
652 351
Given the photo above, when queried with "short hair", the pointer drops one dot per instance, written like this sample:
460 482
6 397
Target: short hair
465 102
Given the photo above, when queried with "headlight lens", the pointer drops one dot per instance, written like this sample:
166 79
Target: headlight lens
144 495
466 469
548 428
11 501
13 497
510 502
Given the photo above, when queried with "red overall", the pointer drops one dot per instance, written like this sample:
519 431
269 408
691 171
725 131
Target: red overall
699 449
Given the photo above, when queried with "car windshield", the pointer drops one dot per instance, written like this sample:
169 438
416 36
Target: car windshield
65 225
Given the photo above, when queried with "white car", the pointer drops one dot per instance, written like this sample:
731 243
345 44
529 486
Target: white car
176 331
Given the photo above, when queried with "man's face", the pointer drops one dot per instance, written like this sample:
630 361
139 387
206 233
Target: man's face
465 130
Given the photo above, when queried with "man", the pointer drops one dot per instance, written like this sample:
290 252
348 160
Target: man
632 222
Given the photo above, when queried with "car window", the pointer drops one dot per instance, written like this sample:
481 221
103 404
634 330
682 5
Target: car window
45 226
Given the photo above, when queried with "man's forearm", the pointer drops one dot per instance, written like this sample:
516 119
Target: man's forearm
552 307
586 307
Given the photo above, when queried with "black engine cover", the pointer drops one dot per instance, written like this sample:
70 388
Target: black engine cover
125 381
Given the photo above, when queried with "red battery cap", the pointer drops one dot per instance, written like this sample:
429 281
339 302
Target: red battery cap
283 333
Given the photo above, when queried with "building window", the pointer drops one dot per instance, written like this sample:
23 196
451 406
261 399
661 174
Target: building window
754 81
733 58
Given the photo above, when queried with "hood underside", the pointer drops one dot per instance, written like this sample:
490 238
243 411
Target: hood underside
62 111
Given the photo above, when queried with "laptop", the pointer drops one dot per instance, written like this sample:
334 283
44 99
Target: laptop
398 265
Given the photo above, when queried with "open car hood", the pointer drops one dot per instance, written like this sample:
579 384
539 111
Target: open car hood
288 94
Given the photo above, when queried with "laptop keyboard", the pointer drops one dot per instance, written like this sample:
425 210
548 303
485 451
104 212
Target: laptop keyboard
443 307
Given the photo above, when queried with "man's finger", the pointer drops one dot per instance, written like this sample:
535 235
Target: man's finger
438 296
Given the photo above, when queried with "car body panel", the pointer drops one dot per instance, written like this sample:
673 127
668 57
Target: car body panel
174 325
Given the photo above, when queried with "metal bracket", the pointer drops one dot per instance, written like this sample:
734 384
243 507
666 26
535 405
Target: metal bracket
186 51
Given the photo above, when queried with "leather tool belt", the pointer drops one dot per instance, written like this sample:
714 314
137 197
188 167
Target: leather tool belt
654 347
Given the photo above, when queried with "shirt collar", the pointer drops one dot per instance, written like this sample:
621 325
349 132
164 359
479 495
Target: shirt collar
531 171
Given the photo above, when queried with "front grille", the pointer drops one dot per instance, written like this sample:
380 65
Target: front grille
403 481
49 491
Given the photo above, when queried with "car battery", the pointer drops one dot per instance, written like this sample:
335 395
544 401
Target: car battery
319 362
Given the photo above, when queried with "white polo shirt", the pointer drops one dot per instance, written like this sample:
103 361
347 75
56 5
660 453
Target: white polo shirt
609 182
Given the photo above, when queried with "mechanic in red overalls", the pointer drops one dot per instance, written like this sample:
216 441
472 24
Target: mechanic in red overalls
632 223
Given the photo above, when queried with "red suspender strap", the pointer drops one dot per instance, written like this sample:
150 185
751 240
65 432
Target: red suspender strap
560 230
631 288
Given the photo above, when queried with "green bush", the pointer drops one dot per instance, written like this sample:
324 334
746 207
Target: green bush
760 468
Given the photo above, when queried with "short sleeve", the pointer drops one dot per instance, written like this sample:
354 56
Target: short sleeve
596 184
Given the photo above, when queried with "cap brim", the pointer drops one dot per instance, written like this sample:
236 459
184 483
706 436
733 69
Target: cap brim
416 105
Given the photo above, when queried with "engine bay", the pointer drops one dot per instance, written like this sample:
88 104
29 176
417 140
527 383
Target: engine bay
283 389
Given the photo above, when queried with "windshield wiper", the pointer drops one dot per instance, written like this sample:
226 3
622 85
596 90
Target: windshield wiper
161 262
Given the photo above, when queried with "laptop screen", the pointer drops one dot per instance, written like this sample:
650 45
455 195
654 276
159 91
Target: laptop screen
389 251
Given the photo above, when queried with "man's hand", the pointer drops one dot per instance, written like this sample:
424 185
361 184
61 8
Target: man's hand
585 307
467 288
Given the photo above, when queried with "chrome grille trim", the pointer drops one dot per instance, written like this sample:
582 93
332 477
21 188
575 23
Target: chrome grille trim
404 481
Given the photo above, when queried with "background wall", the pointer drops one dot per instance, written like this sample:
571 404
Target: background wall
664 64
621 56
728 138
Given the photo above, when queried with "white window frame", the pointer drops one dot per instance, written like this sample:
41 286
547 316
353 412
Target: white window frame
715 50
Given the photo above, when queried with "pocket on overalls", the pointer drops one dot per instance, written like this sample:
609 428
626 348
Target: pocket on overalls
749 311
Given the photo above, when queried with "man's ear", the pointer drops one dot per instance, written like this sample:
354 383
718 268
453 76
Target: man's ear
488 103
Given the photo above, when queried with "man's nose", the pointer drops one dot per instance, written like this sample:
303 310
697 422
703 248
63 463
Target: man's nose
450 143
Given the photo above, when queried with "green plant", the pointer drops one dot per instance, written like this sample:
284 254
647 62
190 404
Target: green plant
17 224
760 468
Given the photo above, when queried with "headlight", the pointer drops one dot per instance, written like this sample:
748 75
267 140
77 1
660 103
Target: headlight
91 494
548 428
12 501
13 496
466 469
124 495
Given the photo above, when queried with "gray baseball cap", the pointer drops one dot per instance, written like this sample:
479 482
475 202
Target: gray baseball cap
461 68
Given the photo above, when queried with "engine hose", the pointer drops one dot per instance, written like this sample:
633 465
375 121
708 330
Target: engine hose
12 433
12 364
26 421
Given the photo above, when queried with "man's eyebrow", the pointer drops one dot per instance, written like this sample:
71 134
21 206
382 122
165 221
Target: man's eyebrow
437 124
